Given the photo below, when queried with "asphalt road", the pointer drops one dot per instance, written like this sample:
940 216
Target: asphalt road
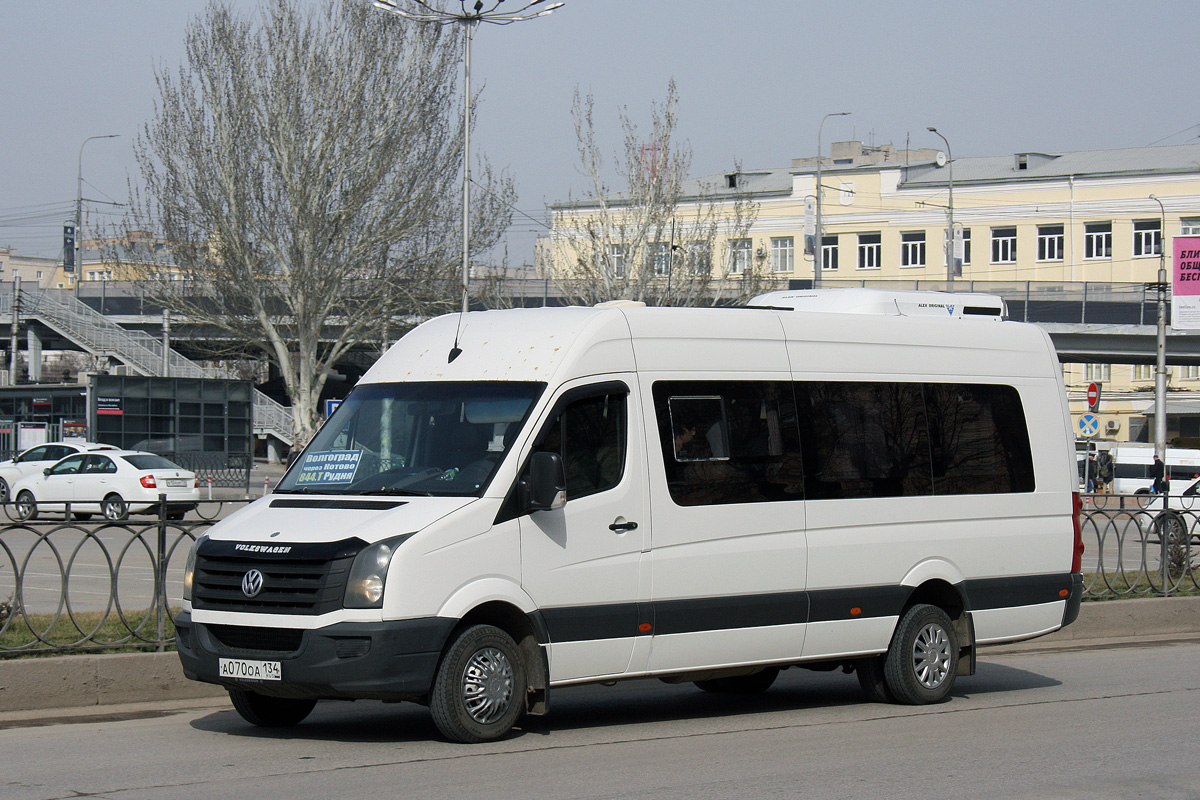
1097 723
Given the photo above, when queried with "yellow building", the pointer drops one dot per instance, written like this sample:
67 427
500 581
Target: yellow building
1071 217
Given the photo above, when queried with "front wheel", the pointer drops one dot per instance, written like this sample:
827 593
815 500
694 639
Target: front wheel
922 660
3 491
26 507
270 712
113 508
479 691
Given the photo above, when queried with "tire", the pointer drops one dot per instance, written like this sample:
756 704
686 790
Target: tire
757 683
922 660
479 691
176 516
81 517
113 508
872 680
270 712
25 507
3 491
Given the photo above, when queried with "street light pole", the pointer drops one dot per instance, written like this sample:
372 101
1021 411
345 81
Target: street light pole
1160 371
950 260
79 207
470 19
817 234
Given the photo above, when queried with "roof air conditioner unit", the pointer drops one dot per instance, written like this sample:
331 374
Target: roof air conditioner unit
121 369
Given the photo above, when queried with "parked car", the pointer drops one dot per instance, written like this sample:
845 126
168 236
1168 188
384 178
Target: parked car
35 459
114 483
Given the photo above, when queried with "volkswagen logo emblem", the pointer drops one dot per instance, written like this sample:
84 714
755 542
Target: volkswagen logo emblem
252 583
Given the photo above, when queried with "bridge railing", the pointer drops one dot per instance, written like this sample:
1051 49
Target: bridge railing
1133 547
69 585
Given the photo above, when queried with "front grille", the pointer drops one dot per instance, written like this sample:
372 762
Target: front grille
296 579
257 640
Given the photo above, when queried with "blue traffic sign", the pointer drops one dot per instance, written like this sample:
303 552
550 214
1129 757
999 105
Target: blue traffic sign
1089 425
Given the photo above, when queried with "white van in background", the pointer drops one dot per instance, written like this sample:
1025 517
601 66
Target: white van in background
1132 464
519 500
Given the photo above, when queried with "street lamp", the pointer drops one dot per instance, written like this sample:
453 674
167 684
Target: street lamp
79 207
1160 371
817 244
951 265
469 19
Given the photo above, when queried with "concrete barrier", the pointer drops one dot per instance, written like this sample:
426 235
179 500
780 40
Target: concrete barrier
103 680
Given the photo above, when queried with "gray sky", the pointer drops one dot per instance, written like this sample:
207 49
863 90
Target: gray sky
755 77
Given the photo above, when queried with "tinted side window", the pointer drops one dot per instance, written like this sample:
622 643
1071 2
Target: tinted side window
38 454
729 441
980 444
864 439
590 434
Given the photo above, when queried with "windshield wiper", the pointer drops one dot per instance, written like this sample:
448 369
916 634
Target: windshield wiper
394 493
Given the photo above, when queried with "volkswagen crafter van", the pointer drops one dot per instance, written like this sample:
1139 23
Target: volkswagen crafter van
519 500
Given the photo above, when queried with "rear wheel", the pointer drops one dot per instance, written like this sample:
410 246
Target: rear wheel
757 683
922 660
113 508
3 491
270 712
479 691
26 507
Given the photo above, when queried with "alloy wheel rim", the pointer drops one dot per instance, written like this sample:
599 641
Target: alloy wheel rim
487 685
931 656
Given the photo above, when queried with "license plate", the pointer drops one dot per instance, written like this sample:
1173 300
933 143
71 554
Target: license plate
176 483
241 669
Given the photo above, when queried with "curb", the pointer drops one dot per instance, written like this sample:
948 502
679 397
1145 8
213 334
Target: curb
92 682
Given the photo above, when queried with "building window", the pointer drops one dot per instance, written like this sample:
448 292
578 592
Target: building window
1190 373
829 252
740 251
1097 240
1050 242
870 251
1147 237
783 250
1189 226
699 257
660 258
1097 372
966 240
616 259
912 248
1145 372
1004 245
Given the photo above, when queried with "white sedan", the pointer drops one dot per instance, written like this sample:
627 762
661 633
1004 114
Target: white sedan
114 483
37 458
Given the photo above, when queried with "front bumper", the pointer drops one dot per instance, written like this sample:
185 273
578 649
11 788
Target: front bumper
347 661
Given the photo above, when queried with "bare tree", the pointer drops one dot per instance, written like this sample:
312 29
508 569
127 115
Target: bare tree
302 168
662 240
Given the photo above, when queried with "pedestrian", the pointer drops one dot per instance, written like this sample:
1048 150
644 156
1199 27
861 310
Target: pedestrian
1158 476
1104 471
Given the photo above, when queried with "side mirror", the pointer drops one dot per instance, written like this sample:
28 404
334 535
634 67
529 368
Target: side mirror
46 472
545 486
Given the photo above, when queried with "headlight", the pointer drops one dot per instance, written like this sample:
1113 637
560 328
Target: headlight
189 569
368 574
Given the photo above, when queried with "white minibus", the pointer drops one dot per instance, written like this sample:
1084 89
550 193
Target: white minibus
1132 464
515 501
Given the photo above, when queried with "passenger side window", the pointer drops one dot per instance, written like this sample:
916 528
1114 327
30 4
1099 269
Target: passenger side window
729 441
99 465
590 432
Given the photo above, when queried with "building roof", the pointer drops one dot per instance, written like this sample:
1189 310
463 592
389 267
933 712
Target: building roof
1167 159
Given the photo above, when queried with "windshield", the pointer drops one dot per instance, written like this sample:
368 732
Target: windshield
414 438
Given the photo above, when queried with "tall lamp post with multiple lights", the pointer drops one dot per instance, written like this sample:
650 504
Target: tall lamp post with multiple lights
469 18
1160 364
817 235
79 208
951 260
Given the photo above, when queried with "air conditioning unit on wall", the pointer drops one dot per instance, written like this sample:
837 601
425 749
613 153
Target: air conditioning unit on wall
1112 426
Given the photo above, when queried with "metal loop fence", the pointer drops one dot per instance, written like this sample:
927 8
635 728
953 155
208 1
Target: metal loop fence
72 585
1137 546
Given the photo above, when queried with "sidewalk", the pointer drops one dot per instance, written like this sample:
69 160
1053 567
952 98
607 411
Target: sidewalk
40 691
